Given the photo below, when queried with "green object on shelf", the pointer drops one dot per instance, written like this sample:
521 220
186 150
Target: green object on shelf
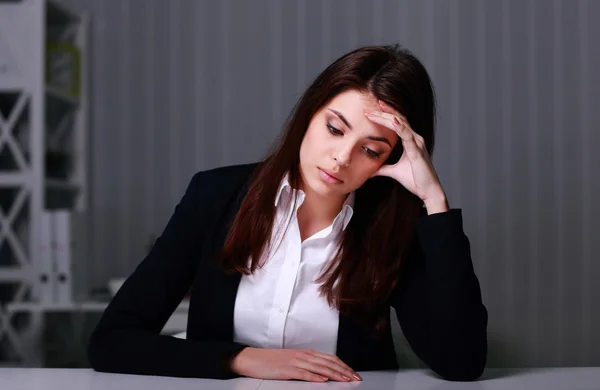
60 55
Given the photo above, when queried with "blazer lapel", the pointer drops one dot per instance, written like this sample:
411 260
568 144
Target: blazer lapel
225 286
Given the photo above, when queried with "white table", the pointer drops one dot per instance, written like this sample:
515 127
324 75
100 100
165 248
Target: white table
493 379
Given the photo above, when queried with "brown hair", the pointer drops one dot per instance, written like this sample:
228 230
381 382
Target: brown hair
367 263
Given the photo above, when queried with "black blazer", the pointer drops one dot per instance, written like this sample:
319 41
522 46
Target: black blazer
437 300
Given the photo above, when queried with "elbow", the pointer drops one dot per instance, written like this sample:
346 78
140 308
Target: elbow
98 354
463 364
466 357
463 372
95 354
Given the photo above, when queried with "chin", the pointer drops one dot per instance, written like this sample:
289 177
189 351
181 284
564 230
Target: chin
316 185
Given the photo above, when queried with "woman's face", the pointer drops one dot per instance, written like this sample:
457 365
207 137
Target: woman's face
341 141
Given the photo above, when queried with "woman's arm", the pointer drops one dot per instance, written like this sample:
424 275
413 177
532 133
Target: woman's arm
127 339
438 299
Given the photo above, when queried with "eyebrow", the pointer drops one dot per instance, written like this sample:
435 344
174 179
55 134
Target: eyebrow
371 137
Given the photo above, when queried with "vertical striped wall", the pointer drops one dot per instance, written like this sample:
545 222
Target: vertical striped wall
180 86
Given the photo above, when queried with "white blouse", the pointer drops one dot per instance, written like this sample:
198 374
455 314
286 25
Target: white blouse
279 306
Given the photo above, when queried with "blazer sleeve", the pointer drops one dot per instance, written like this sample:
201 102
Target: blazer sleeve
438 299
127 339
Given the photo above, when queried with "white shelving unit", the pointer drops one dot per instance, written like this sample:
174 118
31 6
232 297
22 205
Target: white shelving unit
43 153
176 323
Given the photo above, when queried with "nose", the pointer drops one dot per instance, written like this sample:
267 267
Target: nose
343 155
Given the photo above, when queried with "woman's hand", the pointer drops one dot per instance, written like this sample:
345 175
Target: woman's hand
283 364
414 170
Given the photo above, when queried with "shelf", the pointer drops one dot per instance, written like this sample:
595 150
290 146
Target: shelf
13 84
58 13
15 274
13 179
62 184
72 306
58 94
177 322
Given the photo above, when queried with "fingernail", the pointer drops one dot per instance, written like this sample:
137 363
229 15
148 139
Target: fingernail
358 378
324 378
345 378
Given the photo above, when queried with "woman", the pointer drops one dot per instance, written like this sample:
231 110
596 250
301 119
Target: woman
293 263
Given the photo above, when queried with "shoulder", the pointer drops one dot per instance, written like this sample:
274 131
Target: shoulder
221 180
226 173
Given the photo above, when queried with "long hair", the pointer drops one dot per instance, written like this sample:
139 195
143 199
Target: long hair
366 266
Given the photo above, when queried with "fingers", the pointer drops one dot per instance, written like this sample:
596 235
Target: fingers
407 136
405 132
401 119
413 144
393 123
324 365
335 363
387 108
390 110
344 372
306 375
339 363
321 369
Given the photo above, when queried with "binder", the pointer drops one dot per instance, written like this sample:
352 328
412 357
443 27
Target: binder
62 252
62 255
70 234
45 267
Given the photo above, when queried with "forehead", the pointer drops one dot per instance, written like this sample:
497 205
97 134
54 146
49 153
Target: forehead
351 105
354 101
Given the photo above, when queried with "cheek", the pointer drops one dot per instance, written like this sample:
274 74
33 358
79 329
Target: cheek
317 140
310 143
318 133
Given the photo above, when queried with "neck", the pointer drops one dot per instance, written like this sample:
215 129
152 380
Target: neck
318 209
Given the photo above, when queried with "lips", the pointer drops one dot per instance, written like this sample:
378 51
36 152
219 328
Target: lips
331 174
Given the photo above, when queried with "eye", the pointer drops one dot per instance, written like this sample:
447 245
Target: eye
333 130
371 153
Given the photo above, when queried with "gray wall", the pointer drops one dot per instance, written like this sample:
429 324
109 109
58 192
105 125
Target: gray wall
180 86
